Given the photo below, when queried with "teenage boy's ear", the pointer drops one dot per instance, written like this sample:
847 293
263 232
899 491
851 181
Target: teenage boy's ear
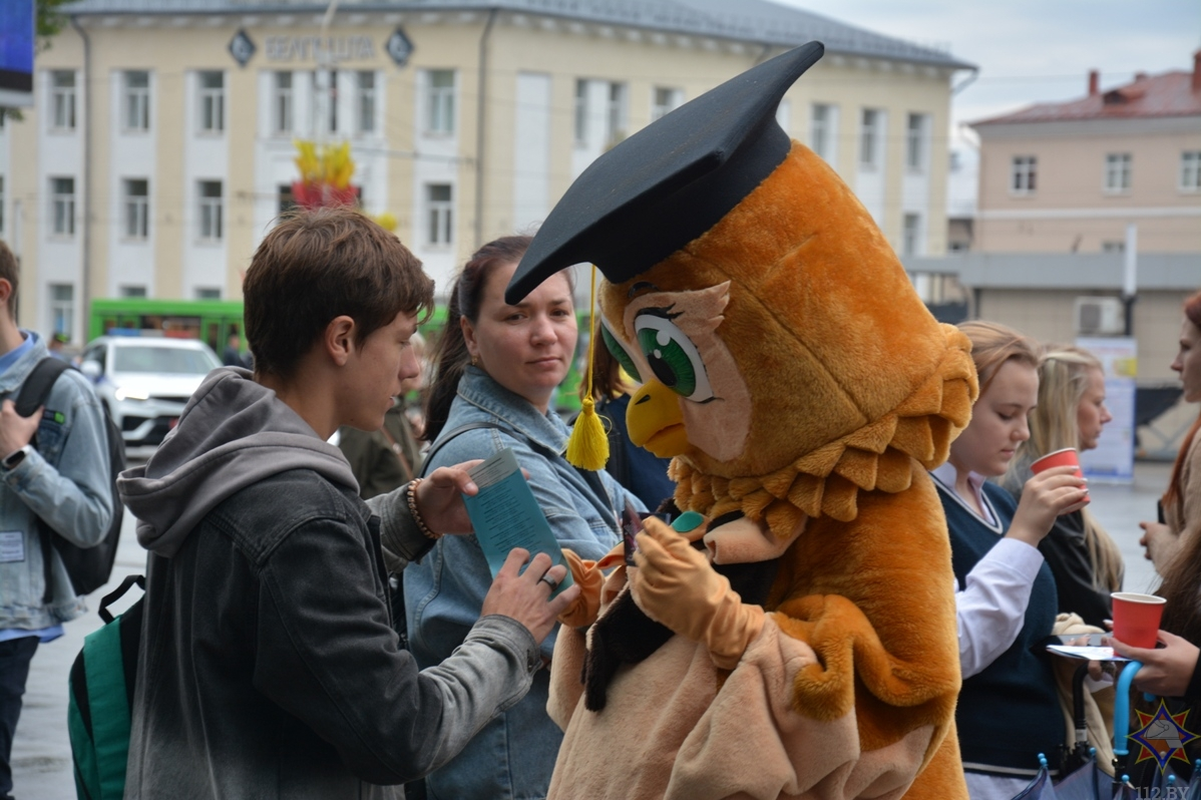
6 291
339 339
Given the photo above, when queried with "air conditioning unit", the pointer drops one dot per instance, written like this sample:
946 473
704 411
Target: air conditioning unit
1100 316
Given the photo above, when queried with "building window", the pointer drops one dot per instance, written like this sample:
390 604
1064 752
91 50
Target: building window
911 233
821 121
62 206
665 101
1117 172
869 138
287 201
1113 247
137 100
207 293
137 208
1 204
915 143
62 309
366 102
281 104
1024 172
440 211
440 101
581 111
210 210
325 100
132 291
212 101
1190 170
62 100
616 117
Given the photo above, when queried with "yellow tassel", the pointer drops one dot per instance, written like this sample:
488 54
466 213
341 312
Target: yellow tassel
588 447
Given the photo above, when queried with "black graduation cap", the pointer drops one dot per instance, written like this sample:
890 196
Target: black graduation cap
669 183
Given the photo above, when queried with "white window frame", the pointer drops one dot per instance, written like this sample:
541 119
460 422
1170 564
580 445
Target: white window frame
325 97
62 308
581 111
62 207
1023 175
440 102
1118 173
615 113
62 100
210 217
136 222
821 119
210 112
911 233
366 106
1190 171
916 148
135 101
439 215
282 103
664 100
869 139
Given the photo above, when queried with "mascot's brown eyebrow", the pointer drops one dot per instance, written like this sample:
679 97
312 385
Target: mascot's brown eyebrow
656 311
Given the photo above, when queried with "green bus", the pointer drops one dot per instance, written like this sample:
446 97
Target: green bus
212 321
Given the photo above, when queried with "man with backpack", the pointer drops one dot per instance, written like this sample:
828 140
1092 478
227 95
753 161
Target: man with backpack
268 666
54 466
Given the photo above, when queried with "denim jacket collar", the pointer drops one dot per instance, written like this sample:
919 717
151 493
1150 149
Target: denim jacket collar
12 379
480 390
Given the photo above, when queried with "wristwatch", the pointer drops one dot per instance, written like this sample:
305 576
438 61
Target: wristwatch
14 459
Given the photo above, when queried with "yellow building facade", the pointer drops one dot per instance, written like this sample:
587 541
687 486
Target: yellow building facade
161 144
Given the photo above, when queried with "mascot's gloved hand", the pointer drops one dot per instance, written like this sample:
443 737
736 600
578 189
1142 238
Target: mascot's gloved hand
676 586
588 576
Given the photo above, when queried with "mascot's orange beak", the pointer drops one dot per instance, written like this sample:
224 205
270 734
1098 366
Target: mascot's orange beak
655 421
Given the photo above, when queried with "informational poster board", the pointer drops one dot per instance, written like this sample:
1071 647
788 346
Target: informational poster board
1113 459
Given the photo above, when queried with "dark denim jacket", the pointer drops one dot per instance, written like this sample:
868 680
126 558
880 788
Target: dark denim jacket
269 667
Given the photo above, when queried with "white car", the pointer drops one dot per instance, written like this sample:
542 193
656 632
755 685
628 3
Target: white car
145 382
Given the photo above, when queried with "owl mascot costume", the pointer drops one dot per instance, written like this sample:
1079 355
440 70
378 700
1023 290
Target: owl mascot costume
792 634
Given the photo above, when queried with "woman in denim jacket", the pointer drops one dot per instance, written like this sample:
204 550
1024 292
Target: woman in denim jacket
498 366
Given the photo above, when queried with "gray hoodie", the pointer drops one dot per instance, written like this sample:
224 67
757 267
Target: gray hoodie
237 433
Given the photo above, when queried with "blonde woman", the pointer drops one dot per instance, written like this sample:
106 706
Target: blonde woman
1071 412
1008 709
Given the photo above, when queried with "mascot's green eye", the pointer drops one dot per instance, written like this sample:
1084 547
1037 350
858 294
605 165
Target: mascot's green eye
673 357
619 351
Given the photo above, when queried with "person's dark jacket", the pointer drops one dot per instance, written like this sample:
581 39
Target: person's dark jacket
268 666
384 459
1066 553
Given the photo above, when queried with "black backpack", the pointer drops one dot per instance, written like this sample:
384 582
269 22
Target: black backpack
89 568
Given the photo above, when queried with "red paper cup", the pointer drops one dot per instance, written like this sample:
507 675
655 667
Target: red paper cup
1060 458
1136 618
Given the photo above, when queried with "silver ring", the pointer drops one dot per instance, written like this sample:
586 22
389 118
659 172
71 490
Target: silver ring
549 582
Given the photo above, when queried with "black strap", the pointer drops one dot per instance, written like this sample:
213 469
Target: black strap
117 594
442 440
590 477
30 397
36 387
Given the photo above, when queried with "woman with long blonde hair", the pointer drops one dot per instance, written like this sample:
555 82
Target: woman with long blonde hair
1071 412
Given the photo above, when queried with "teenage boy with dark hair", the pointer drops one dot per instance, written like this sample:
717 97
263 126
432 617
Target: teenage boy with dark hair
268 667
64 481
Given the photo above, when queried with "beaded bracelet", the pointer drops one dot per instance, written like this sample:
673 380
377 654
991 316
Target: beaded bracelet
412 496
